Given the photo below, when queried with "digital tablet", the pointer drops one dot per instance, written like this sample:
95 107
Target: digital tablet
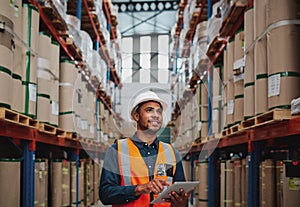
176 186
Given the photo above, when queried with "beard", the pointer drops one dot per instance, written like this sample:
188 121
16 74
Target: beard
148 128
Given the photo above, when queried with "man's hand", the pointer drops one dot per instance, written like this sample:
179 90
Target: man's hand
154 186
179 199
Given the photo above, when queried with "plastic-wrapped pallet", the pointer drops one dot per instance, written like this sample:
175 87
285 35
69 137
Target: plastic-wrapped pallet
73 24
100 14
214 23
202 40
61 6
86 45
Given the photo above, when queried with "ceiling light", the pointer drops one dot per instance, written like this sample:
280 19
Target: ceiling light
152 6
138 7
130 7
160 6
145 6
167 5
123 8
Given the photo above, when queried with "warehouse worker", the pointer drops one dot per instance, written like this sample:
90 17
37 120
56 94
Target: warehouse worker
137 169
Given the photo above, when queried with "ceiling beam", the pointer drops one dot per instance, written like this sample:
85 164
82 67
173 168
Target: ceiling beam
141 22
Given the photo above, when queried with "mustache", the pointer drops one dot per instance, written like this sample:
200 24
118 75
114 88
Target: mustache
155 121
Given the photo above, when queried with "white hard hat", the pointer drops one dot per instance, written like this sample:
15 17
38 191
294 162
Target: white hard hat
146 96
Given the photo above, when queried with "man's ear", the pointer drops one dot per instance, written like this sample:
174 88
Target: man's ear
136 116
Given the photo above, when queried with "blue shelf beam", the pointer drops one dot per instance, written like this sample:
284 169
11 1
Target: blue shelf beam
78 9
213 180
28 174
253 172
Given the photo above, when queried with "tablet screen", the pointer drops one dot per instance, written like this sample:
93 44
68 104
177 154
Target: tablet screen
186 186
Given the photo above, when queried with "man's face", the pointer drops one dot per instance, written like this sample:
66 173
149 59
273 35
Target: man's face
149 117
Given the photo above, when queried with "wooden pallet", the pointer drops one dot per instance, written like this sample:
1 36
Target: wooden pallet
225 132
268 117
215 46
198 140
231 130
76 52
53 15
273 116
248 123
61 133
236 12
87 140
15 117
235 128
46 128
72 135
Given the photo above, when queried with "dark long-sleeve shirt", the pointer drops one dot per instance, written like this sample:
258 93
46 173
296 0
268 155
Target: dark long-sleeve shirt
110 189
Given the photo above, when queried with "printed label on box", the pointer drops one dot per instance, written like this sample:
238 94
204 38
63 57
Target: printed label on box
54 107
78 122
91 129
230 107
294 183
274 85
84 125
215 114
239 77
199 125
32 92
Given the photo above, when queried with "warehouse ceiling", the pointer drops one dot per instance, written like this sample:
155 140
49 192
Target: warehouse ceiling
144 17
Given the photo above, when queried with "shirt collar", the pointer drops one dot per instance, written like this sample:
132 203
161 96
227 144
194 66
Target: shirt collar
140 144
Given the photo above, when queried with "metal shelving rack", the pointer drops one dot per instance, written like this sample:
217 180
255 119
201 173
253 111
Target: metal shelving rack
26 141
252 141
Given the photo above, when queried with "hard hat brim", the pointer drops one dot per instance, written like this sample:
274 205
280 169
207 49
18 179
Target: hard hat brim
163 104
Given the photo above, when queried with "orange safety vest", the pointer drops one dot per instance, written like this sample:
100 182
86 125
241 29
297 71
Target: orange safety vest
133 170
